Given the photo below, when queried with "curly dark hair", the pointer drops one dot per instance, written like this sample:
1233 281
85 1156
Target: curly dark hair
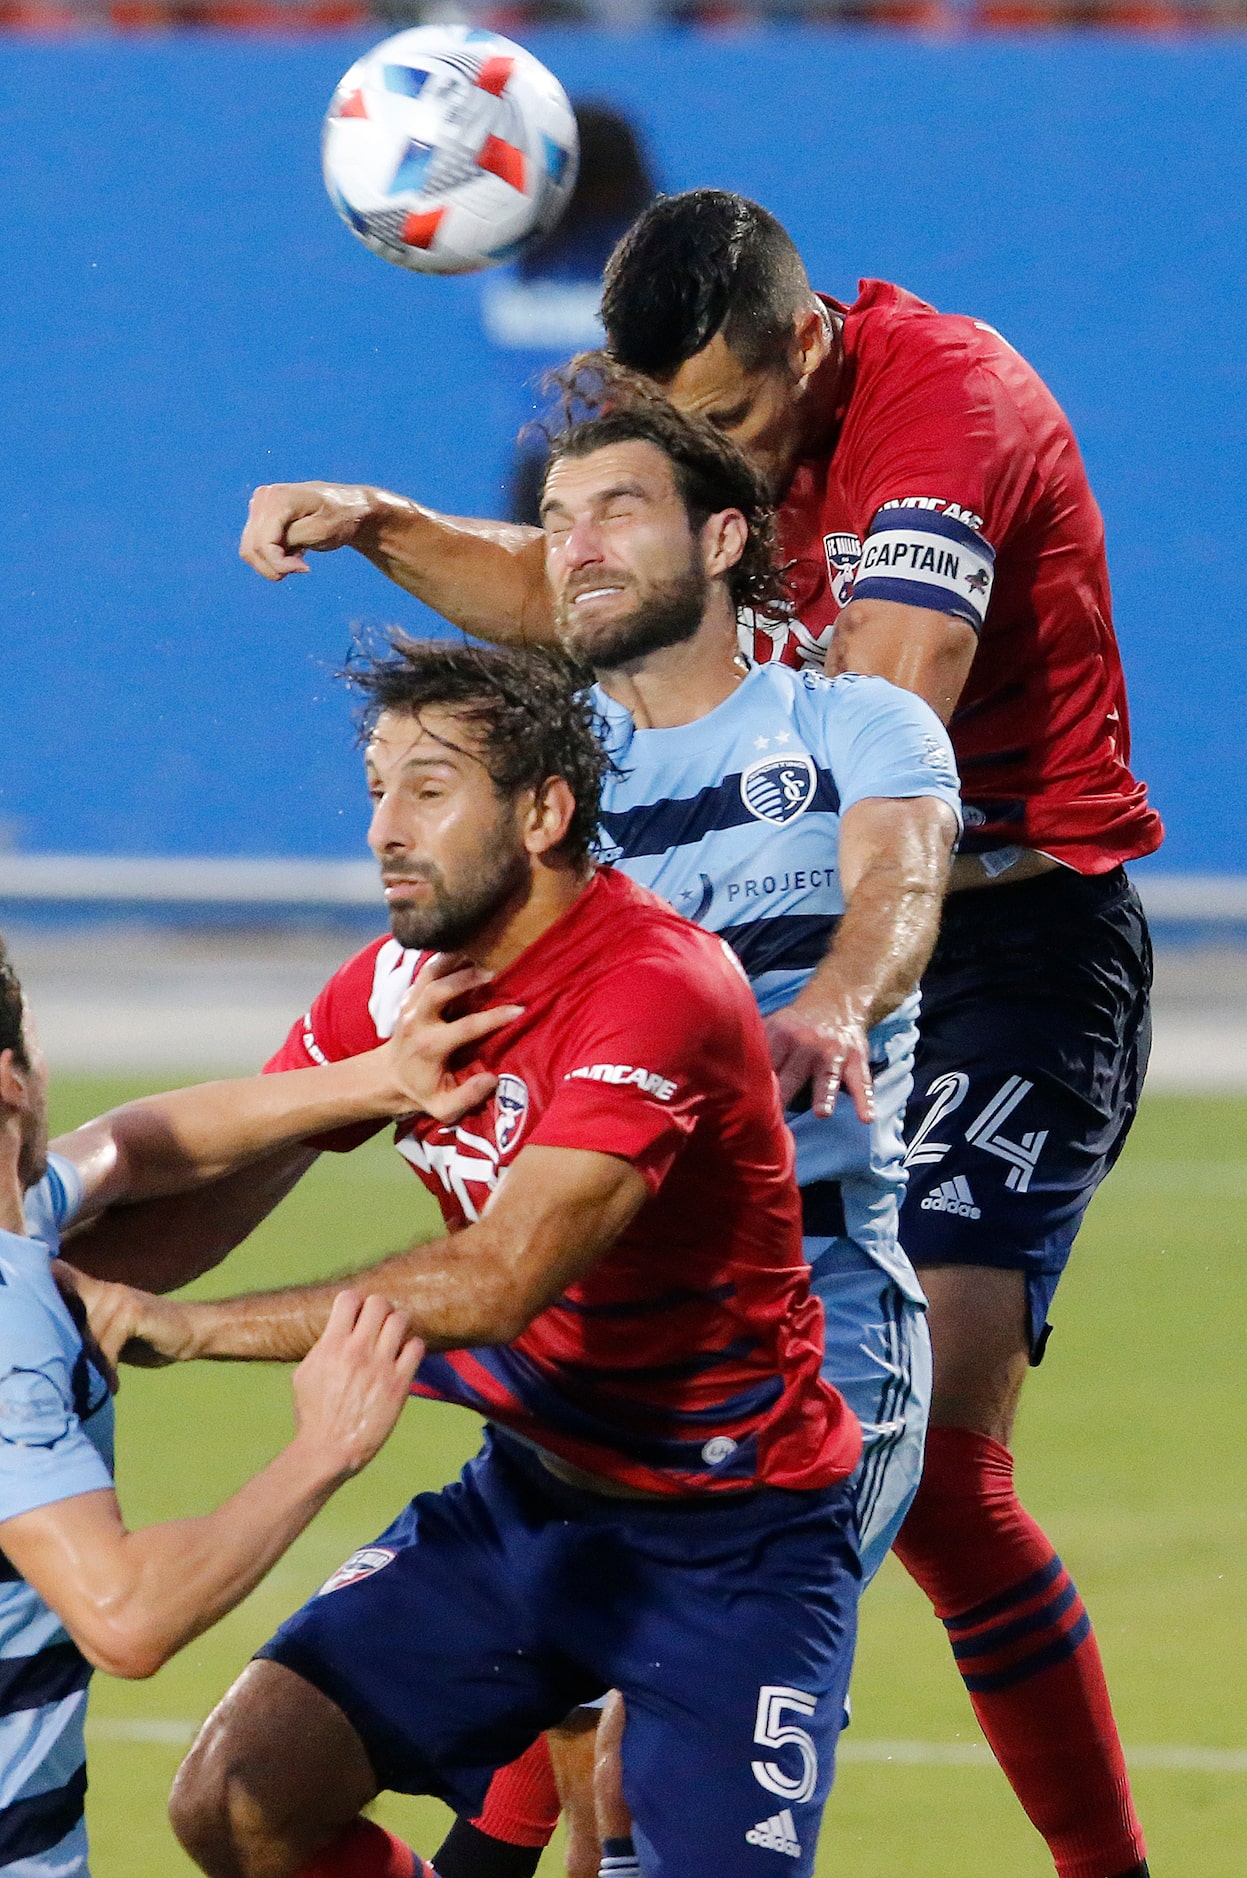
527 712
605 403
11 1010
696 264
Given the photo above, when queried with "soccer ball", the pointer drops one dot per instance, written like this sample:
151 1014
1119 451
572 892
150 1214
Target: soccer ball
448 148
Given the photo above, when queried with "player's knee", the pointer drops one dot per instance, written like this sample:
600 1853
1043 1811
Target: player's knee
230 1808
965 1476
209 1803
276 1773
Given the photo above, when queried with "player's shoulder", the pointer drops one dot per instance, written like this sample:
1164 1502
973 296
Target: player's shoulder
895 341
851 699
886 320
654 952
53 1203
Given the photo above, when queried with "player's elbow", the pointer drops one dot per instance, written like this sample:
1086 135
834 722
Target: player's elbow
124 1643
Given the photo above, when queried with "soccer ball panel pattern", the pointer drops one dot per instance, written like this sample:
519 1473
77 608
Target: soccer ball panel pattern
447 149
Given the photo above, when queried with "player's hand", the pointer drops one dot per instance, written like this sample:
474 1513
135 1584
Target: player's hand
285 519
128 1325
350 1387
425 1038
826 1047
64 1276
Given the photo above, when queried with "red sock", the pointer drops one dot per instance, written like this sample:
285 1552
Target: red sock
522 1806
1025 1649
366 1850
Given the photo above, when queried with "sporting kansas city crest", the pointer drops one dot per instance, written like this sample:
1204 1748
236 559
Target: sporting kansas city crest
779 788
843 554
510 1110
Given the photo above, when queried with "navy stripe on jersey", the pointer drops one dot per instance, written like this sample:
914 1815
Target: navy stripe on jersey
697 1365
34 1825
790 942
49 1676
537 1402
647 1307
532 1389
658 827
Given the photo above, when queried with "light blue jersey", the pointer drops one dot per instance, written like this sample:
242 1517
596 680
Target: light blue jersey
56 1429
735 820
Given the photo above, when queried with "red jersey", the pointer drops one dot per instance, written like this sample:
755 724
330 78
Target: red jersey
687 1359
955 483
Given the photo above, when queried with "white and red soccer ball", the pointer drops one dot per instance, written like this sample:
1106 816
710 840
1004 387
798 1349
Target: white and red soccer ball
447 149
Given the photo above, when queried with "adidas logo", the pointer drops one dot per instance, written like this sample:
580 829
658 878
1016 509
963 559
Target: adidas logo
952 1196
777 1834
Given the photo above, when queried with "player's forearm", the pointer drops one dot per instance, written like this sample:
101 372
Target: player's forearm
169 1143
160 1245
882 944
454 1293
559 1210
487 577
174 1581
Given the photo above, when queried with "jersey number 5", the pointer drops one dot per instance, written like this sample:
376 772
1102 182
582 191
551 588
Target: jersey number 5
772 1731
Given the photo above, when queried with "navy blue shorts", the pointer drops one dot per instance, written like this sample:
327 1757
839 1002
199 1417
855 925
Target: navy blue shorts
489 1610
1033 1042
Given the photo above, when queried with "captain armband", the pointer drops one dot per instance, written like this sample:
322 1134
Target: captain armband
918 557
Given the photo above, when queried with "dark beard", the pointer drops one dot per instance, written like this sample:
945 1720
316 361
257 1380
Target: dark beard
667 616
453 920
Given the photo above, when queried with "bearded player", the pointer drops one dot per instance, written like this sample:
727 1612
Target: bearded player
941 533
810 824
622 1293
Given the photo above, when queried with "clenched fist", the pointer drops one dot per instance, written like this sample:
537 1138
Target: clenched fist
285 519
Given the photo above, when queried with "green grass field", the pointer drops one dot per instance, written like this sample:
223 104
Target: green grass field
1130 1452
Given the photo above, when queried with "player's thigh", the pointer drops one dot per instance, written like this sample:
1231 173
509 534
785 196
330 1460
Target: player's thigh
1033 1043
980 1320
878 1355
433 1641
734 1695
1026 1080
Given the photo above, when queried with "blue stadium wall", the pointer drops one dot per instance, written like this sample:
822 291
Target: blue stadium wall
182 316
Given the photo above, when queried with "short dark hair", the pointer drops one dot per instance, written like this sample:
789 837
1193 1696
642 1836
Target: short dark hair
528 712
604 403
12 1010
696 264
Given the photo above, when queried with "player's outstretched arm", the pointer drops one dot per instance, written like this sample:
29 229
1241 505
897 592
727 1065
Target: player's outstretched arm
239 1147
894 861
556 1213
130 1600
186 1138
164 1244
488 577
